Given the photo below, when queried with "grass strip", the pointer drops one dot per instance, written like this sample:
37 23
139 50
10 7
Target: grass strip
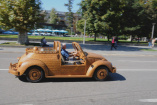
68 38
17 44
148 50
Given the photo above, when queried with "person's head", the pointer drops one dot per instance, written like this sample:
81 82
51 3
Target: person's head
64 46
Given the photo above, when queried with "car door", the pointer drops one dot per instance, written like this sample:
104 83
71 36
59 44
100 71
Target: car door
75 68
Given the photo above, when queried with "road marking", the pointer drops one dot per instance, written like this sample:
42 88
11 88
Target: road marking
4 69
136 69
148 100
25 104
134 55
136 61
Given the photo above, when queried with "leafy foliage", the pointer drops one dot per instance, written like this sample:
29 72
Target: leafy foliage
20 15
53 16
69 14
138 17
102 16
117 17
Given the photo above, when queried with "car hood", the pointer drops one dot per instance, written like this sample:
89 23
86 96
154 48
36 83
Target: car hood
93 55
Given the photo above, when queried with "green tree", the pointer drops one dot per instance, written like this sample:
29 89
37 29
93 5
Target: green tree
101 16
80 25
151 12
53 16
115 17
131 17
69 14
112 17
20 15
91 12
138 17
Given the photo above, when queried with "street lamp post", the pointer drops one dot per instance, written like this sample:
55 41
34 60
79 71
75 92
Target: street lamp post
84 32
34 28
153 29
71 30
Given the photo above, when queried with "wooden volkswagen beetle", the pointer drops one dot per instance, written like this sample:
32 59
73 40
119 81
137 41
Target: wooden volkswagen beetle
47 62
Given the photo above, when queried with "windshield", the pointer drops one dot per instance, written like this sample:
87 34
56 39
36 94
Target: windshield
77 48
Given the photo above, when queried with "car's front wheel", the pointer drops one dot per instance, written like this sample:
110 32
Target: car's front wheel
101 73
35 74
22 78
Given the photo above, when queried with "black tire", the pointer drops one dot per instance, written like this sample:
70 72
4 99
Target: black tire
22 78
101 73
35 74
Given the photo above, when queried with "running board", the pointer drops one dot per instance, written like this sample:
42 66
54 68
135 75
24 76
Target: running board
69 76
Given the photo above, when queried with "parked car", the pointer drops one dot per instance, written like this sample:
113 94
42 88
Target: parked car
10 32
35 33
48 34
45 34
7 32
28 33
47 62
15 33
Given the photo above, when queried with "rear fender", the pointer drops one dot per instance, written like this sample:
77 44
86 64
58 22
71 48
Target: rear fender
29 63
96 64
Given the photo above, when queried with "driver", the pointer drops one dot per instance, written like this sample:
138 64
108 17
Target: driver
65 53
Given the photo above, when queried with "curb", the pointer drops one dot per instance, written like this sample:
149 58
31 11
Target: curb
129 55
88 42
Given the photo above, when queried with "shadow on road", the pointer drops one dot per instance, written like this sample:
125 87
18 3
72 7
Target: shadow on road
112 77
116 77
68 80
107 47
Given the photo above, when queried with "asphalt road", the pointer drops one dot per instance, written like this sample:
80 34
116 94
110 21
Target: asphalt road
135 83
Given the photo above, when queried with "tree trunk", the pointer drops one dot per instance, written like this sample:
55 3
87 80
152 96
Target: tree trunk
95 37
108 37
138 39
23 38
132 37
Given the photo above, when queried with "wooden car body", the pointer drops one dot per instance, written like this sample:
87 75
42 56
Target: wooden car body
50 61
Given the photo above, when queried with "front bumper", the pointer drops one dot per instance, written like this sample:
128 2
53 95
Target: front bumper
13 69
113 69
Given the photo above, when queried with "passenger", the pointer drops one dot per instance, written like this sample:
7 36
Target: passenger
43 42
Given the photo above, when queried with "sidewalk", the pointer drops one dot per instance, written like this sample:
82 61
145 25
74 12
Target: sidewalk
70 41
102 49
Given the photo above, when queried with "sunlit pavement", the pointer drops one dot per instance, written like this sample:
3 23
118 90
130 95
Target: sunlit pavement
103 49
133 84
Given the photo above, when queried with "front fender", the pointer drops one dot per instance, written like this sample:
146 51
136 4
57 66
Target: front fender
96 64
32 62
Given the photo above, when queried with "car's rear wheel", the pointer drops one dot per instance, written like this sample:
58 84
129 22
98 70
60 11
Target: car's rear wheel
101 73
35 74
